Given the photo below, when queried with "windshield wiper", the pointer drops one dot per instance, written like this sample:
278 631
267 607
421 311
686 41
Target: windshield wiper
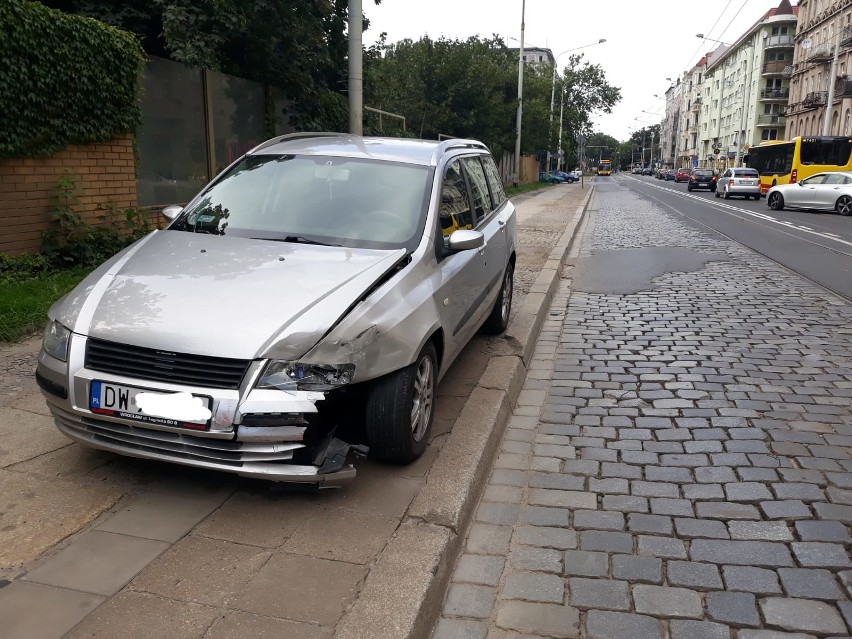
295 239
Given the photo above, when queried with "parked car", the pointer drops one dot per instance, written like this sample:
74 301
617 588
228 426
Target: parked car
578 173
318 288
660 174
637 170
739 181
671 174
566 177
648 171
821 191
682 175
550 177
702 179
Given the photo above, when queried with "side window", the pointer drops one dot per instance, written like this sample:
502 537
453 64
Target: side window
820 178
455 210
498 195
478 187
834 178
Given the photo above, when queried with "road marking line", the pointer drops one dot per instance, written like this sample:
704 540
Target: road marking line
829 236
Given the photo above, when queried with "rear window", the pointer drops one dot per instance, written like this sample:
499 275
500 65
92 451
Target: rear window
704 173
748 172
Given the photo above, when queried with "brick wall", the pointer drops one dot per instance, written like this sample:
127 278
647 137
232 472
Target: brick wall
103 173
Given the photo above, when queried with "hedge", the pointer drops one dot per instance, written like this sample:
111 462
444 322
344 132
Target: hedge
64 79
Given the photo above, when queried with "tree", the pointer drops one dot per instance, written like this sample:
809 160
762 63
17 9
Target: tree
298 46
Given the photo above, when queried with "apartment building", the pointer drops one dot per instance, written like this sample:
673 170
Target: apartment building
822 70
669 129
746 89
691 102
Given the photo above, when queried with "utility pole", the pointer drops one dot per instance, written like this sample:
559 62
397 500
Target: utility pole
832 80
520 99
356 69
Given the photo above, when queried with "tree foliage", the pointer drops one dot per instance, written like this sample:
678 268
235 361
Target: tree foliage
296 45
469 88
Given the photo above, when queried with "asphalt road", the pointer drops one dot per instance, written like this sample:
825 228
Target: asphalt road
817 245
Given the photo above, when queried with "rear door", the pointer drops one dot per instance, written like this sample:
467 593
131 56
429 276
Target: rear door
492 225
828 192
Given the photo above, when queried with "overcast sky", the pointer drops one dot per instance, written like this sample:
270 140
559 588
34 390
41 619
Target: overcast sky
647 40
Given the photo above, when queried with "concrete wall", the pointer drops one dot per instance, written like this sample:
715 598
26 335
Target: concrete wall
103 173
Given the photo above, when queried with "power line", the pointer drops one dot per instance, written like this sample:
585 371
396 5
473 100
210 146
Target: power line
710 32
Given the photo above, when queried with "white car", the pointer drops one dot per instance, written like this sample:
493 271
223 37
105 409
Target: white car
822 191
739 181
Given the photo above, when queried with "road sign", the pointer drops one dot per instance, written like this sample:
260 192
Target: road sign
716 151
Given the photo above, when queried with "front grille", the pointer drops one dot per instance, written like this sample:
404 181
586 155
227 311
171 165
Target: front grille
164 366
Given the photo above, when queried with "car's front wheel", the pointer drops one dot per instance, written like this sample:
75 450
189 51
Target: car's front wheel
775 201
400 410
844 205
498 320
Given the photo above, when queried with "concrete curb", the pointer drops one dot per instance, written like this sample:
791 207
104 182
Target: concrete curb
404 591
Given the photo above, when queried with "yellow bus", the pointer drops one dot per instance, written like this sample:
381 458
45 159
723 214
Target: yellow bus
605 167
789 161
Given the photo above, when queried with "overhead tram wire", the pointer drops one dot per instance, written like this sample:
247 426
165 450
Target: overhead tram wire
710 32
732 19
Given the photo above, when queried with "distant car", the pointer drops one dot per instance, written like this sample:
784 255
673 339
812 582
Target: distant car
682 175
578 173
702 179
550 177
648 171
660 174
567 177
822 191
670 174
739 181
637 170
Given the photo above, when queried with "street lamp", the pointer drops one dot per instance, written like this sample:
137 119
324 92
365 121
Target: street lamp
702 37
553 96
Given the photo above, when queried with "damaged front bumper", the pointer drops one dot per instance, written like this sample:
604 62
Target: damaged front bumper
253 433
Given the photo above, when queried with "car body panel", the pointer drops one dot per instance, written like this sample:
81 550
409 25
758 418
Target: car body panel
739 181
819 191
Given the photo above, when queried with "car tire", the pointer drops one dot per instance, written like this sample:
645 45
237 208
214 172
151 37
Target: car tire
727 194
689 188
775 201
716 192
844 205
498 319
395 433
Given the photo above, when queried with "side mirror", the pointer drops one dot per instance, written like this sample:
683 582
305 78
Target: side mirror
464 240
172 211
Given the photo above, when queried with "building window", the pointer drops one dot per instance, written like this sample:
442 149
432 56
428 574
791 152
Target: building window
769 134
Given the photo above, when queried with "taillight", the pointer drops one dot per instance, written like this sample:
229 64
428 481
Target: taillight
794 175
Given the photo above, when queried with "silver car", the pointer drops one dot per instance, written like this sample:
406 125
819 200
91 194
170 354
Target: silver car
305 303
821 191
739 181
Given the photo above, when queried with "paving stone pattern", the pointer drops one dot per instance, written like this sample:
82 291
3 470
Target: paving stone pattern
680 458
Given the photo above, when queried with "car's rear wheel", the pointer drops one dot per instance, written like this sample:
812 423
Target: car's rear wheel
727 193
498 320
775 201
844 205
400 410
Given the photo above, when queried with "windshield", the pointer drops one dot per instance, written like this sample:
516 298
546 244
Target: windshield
315 199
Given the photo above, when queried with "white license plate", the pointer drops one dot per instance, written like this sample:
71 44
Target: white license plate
118 400
748 182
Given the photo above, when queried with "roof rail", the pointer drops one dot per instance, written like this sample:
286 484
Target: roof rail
456 143
294 136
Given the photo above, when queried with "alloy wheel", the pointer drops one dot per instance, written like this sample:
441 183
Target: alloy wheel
844 205
421 404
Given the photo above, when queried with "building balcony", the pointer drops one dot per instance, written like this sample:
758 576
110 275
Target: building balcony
846 36
771 95
819 53
692 130
696 105
843 88
778 68
775 119
815 99
779 42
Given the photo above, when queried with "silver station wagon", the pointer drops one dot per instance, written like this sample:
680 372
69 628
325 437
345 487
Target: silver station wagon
304 304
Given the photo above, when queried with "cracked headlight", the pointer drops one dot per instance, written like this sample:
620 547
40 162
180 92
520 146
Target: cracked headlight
283 375
55 342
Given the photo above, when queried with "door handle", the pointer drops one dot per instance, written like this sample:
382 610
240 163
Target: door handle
501 222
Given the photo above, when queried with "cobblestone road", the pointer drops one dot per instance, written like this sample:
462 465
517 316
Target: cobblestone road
678 465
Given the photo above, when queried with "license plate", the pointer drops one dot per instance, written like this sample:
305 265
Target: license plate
118 400
747 182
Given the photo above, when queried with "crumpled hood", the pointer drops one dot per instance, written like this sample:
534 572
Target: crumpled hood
222 296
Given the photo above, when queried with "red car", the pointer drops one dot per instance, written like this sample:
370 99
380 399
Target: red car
682 175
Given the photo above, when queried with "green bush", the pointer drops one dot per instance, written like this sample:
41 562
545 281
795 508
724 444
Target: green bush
64 80
71 241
